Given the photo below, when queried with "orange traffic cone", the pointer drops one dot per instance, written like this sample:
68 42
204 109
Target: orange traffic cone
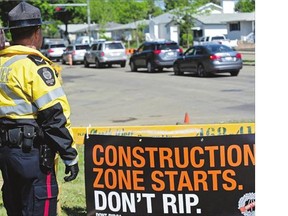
186 119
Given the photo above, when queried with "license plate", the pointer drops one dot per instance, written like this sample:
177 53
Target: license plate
114 54
170 53
228 58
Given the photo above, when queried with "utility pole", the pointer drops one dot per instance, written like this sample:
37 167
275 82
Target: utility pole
89 21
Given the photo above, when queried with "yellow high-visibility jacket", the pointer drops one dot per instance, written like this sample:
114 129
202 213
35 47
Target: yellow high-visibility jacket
31 93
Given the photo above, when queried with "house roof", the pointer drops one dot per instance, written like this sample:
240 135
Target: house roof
132 25
224 18
209 6
107 26
163 18
73 28
79 28
210 18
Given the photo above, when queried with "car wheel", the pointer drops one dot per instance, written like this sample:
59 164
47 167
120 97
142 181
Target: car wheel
123 64
133 66
97 63
63 61
177 70
234 73
201 71
86 64
150 68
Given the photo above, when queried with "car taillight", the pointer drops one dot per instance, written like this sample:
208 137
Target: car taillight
102 54
157 52
50 50
238 56
180 50
215 57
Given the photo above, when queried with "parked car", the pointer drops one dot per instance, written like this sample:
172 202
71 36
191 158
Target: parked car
53 50
77 52
209 59
155 55
106 53
220 39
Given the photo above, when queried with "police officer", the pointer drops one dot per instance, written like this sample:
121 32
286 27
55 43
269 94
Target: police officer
34 120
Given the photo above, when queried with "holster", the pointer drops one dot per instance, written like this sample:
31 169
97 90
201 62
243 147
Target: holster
14 137
28 137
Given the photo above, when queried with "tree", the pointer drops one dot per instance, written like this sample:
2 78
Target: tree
172 4
183 12
245 6
153 10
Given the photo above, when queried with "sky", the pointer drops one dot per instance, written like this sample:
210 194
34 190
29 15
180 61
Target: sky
160 3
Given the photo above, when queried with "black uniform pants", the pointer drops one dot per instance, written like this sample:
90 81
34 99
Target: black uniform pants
27 190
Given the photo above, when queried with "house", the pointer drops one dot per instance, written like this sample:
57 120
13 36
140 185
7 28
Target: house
125 31
164 26
233 25
73 31
211 19
78 30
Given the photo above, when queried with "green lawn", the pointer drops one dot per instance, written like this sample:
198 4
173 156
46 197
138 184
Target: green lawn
72 194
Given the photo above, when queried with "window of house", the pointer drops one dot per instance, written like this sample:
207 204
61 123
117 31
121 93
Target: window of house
234 26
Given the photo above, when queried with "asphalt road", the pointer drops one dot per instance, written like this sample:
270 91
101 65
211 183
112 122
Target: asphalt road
118 97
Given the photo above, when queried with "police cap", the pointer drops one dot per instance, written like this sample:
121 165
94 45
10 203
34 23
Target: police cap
24 15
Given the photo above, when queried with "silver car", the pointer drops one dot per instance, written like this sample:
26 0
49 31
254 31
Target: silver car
53 50
76 52
106 53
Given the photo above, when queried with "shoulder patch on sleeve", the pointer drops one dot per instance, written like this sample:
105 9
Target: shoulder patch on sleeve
37 60
47 76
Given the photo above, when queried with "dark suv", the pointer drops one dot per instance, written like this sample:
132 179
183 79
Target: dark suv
155 55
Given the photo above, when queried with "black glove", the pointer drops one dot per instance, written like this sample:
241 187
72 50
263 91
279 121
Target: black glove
74 169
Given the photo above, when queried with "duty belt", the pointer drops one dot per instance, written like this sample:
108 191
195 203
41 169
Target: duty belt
19 137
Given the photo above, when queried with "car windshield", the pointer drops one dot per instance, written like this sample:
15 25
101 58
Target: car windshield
168 46
82 47
57 45
114 46
219 48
